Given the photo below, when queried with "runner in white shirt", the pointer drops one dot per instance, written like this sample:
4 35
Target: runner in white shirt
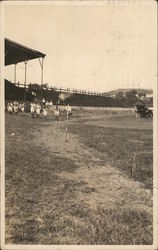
10 108
57 112
33 109
44 101
51 106
45 112
22 107
68 111
47 103
38 109
16 107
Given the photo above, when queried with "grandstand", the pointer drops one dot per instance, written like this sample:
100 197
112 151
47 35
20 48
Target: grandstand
12 92
74 97
16 53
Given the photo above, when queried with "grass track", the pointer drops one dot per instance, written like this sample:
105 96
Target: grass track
79 192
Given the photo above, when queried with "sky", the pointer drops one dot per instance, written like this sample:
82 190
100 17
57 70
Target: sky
87 46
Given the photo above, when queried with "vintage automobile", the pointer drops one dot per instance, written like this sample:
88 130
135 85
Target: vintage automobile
144 111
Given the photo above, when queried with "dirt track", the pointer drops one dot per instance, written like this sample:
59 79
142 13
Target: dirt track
108 185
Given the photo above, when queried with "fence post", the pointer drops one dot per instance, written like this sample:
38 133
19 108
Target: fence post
133 165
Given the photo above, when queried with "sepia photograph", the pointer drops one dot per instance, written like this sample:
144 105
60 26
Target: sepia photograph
79 124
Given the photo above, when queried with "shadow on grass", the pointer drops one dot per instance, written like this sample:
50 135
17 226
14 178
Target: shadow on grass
117 226
118 146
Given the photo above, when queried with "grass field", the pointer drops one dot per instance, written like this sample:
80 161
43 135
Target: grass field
92 185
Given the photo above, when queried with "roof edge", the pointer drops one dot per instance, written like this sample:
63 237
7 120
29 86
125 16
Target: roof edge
24 48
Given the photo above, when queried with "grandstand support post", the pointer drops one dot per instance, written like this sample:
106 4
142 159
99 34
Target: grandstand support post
42 64
25 81
15 73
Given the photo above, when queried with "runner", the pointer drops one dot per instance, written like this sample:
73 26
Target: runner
68 111
45 112
51 106
43 101
22 107
57 112
47 103
38 109
10 108
16 107
51 103
33 109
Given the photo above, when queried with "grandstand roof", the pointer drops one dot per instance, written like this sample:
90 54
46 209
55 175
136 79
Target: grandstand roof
16 53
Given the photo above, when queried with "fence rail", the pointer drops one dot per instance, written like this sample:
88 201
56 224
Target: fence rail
65 90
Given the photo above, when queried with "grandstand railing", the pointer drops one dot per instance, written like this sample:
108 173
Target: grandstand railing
61 89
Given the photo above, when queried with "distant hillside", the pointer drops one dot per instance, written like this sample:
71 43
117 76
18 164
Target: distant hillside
142 91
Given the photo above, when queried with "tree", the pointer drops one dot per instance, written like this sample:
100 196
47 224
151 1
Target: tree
120 96
131 94
140 94
131 97
120 99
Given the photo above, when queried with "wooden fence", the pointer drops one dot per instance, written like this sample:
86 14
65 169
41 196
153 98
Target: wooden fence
62 90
